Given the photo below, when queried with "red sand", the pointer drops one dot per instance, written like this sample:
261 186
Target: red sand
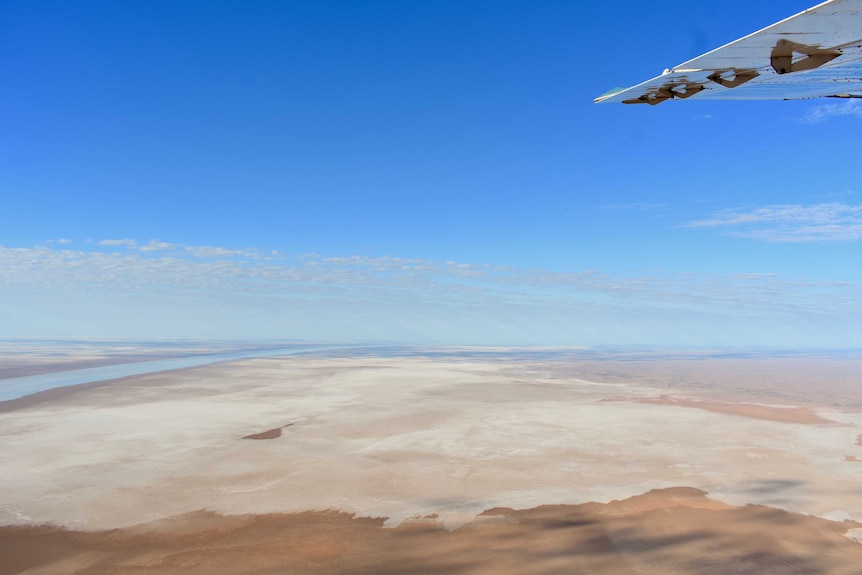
675 530
804 415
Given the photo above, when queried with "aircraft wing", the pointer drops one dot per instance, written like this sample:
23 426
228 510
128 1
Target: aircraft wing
815 53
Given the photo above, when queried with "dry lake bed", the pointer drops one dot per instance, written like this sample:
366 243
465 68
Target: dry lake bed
456 460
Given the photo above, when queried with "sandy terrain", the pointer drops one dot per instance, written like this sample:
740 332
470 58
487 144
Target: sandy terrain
404 438
668 531
819 380
803 415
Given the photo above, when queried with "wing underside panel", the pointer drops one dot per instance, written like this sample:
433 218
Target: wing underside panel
813 54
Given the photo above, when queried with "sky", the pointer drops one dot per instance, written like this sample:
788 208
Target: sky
415 172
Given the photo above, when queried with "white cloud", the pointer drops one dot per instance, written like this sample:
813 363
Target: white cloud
124 242
823 112
791 222
218 252
210 291
157 246
180 250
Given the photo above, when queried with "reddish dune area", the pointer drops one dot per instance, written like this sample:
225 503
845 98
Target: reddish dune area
675 530
803 415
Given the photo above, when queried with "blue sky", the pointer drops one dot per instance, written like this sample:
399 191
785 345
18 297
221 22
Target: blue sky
418 172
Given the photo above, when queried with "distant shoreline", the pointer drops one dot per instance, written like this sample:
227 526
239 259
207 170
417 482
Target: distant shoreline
37 386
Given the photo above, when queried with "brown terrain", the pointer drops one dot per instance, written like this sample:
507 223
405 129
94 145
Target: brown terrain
803 415
663 531
274 433
822 381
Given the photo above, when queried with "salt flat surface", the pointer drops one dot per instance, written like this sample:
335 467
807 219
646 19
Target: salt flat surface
401 437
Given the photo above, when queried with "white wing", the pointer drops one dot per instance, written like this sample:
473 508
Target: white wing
815 53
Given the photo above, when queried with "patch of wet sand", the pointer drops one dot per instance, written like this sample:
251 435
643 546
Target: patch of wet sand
803 415
677 530
274 433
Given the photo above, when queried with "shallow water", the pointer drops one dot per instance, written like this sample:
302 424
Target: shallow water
15 387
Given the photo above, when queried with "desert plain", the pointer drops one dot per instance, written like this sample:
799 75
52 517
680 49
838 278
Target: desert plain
455 460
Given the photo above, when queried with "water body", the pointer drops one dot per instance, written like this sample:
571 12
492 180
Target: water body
15 387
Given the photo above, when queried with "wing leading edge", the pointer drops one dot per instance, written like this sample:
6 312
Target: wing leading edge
813 54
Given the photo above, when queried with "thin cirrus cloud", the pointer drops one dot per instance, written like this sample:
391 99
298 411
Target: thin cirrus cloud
791 223
132 244
183 250
246 271
115 287
823 112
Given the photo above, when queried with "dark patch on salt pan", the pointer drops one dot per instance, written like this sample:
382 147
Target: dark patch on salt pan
271 434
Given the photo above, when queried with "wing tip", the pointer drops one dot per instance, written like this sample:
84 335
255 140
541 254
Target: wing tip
607 95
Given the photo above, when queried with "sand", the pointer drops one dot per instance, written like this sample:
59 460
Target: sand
825 380
803 415
667 531
416 464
